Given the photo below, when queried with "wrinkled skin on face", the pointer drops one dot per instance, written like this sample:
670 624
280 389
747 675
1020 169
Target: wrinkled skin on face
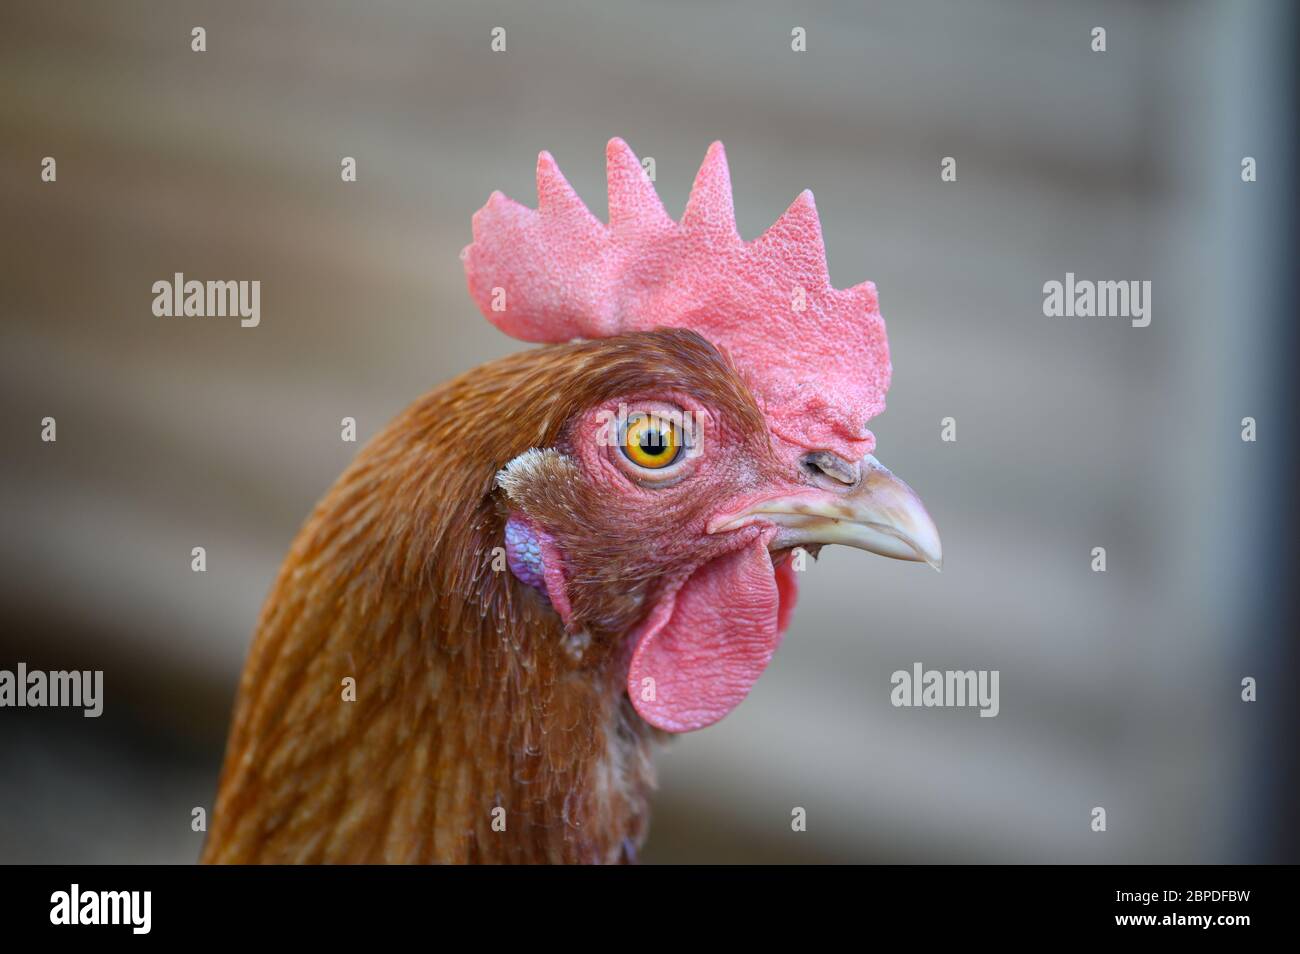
684 570
621 539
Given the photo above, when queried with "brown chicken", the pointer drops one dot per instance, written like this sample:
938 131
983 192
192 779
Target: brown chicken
554 561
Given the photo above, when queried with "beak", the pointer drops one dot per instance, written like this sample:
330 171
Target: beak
880 514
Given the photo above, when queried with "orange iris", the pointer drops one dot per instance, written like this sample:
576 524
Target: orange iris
651 442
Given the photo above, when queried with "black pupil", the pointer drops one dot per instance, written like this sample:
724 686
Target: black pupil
653 442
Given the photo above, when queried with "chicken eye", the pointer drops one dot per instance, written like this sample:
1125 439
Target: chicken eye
651 442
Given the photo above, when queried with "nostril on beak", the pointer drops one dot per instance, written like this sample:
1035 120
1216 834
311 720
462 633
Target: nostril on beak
831 470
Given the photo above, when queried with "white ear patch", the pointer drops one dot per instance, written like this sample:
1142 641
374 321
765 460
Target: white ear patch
534 464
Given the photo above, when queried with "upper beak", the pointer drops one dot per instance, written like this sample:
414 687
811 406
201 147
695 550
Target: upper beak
879 513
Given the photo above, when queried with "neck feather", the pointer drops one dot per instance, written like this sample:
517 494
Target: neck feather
407 700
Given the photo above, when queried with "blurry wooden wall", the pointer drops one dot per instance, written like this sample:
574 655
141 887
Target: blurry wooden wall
225 165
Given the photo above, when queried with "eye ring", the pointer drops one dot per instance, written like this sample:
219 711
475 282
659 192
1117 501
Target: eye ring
654 443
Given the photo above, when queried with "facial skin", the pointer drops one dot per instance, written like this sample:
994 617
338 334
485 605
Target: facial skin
668 512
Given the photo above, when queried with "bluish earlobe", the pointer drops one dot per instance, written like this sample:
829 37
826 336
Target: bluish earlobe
524 553
536 561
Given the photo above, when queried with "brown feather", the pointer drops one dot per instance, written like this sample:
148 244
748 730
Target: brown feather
467 695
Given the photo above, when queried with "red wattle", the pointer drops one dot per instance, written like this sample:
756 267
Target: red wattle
701 650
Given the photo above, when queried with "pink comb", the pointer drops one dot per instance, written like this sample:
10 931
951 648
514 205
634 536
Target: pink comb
816 357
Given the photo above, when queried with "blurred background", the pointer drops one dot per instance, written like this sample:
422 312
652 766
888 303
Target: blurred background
1119 689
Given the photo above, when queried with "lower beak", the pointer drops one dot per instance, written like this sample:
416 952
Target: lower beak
880 514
